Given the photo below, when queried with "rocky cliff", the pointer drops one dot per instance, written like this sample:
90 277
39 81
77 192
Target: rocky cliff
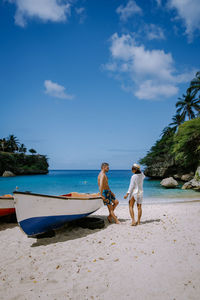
21 164
175 153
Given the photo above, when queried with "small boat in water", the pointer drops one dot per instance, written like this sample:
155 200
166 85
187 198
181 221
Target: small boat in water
38 213
6 205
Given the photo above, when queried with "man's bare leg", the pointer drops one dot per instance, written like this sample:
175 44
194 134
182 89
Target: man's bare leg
111 213
109 217
131 210
115 203
139 206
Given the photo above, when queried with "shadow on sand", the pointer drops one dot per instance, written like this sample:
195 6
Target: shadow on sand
71 231
150 221
8 222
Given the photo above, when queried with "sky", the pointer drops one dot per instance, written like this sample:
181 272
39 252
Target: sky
87 81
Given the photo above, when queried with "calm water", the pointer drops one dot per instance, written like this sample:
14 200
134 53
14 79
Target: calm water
64 181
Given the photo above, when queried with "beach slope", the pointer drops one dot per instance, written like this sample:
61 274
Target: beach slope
159 259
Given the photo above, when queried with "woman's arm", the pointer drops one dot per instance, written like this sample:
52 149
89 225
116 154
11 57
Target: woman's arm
131 186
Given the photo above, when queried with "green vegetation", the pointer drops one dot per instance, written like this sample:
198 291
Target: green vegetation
161 151
180 140
32 151
14 159
197 177
186 146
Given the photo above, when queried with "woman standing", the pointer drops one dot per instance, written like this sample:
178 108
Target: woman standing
135 193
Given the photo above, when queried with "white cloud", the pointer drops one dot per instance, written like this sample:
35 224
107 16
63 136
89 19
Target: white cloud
128 10
189 12
152 90
53 89
81 13
151 73
45 10
154 32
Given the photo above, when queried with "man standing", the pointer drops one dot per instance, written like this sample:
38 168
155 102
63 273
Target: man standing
107 195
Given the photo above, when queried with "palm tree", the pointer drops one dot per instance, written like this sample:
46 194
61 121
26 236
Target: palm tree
22 148
32 151
13 143
187 104
195 84
168 131
177 121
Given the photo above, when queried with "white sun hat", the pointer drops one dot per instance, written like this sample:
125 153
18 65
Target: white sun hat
136 166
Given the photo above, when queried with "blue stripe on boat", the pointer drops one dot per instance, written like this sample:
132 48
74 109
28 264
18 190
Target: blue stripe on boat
38 225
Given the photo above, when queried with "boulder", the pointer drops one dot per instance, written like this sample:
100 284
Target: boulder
8 174
169 182
187 177
177 176
194 183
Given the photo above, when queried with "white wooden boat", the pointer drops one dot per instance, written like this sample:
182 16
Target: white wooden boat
6 205
38 213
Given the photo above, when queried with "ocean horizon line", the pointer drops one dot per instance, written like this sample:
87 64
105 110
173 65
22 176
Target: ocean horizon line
88 169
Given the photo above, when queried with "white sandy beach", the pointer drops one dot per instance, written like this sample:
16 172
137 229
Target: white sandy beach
160 259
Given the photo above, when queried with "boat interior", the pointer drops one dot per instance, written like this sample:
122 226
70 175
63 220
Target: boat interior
81 195
6 197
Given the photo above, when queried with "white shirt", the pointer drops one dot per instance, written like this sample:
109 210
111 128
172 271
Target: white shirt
136 184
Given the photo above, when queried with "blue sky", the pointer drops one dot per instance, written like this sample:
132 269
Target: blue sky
91 81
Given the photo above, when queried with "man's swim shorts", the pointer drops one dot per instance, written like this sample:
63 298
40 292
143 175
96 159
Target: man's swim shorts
108 196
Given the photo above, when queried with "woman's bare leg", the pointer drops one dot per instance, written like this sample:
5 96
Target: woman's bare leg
139 206
131 210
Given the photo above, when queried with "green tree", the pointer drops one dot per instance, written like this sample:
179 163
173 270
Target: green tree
32 151
161 150
177 120
22 148
167 131
195 84
12 143
187 105
186 146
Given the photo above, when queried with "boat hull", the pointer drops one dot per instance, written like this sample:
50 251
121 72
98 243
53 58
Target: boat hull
6 206
37 214
38 225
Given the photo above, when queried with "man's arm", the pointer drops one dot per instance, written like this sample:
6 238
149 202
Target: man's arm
112 193
101 185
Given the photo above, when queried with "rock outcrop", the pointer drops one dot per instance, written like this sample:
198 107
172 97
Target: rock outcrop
187 177
162 169
8 174
184 177
177 176
193 183
169 182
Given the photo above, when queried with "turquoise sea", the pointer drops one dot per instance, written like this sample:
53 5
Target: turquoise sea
58 182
